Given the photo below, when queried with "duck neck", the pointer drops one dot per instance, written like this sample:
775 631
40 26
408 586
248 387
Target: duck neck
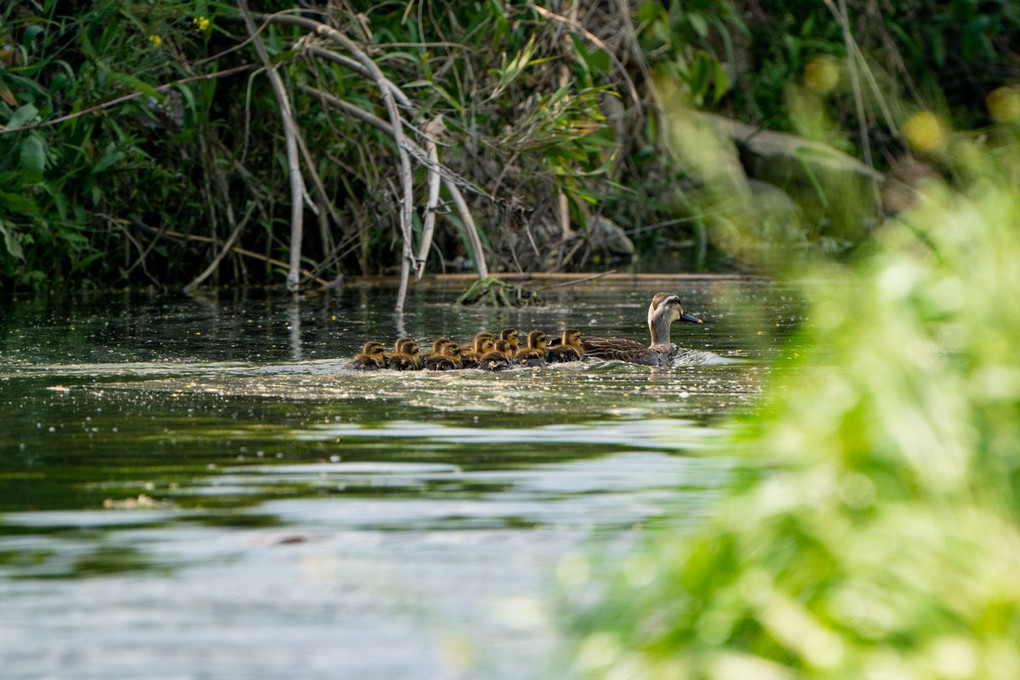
658 326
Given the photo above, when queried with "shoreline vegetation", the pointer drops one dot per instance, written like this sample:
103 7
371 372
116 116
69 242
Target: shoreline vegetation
217 143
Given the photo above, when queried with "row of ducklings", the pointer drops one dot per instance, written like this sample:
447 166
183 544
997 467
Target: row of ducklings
487 352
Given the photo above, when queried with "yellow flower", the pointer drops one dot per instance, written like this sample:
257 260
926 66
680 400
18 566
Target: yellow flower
155 40
822 74
925 132
201 24
1004 104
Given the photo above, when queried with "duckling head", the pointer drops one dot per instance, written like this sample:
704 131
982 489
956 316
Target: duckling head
373 348
400 343
480 342
537 340
452 349
410 348
511 336
572 338
437 346
504 347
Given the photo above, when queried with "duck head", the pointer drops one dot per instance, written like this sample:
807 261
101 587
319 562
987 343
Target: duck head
667 305
664 310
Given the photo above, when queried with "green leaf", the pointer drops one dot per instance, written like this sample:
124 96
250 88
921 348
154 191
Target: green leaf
722 82
699 24
27 84
282 57
701 71
187 95
11 242
22 116
138 84
647 12
33 157
111 156
18 203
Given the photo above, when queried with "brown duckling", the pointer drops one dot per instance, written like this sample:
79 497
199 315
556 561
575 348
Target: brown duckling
664 310
407 357
511 336
498 359
370 358
534 353
483 344
448 359
569 348
396 349
437 347
478 336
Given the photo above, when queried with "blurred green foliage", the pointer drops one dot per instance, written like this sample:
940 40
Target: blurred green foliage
874 531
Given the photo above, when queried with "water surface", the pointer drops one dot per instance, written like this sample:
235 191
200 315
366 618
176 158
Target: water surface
196 488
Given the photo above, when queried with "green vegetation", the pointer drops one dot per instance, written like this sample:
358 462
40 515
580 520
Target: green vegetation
146 143
873 531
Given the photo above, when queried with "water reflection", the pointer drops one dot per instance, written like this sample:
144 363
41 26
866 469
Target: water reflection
195 484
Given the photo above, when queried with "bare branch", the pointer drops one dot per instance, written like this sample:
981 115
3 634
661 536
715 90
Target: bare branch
297 183
433 128
451 186
227 247
386 93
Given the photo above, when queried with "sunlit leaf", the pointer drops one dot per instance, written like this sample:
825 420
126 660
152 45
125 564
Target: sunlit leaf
11 242
22 116
32 157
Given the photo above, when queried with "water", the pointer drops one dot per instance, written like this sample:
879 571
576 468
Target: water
195 488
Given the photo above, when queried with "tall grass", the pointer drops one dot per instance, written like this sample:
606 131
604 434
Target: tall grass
876 534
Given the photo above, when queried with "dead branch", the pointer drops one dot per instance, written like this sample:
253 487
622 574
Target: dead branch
458 198
297 183
227 247
386 94
355 66
433 128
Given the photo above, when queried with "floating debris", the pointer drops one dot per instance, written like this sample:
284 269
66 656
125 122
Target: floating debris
141 502
492 291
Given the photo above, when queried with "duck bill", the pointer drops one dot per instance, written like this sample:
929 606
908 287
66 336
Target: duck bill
690 319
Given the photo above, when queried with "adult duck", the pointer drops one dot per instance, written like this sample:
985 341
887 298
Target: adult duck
664 310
